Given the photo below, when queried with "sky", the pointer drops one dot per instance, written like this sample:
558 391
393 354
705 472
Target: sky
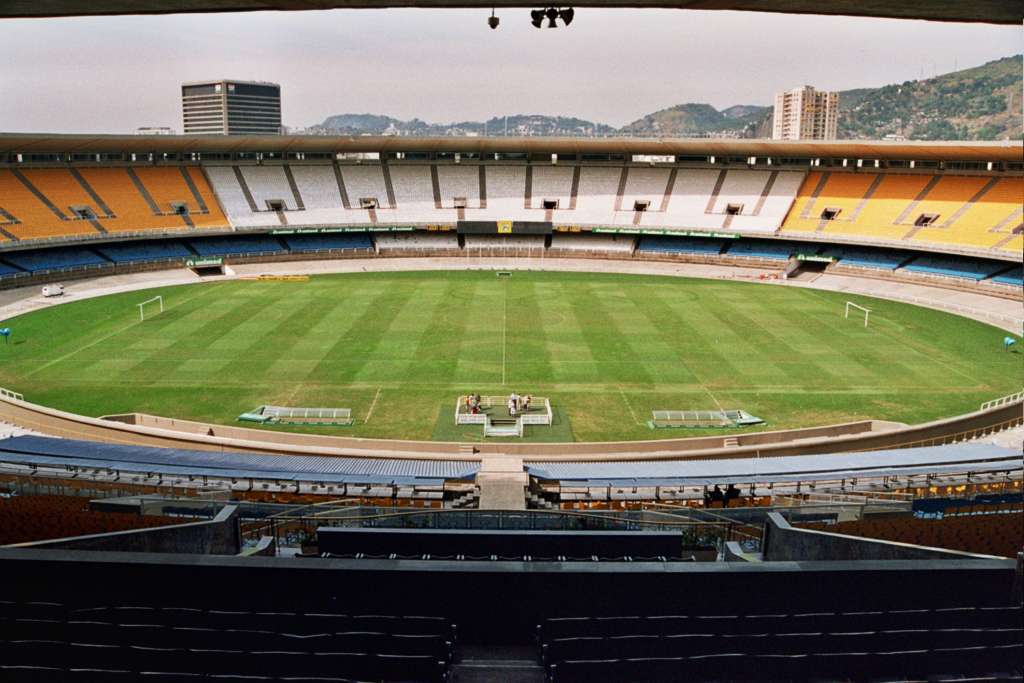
114 74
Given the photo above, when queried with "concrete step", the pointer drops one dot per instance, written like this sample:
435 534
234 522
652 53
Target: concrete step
507 664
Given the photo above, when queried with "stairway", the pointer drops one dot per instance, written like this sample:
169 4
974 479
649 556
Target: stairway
538 502
510 664
466 500
503 426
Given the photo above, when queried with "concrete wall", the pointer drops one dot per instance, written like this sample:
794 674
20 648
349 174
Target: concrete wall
163 432
784 543
733 552
266 547
219 536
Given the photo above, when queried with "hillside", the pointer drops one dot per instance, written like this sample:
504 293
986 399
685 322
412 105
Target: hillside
692 119
980 103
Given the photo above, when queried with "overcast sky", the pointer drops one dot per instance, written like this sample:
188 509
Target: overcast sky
114 74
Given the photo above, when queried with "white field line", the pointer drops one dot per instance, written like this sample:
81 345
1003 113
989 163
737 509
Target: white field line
705 388
100 340
629 407
372 405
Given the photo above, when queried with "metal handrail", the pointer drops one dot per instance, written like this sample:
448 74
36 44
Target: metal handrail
1003 400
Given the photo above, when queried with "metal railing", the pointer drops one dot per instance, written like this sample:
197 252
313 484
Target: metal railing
1003 400
692 531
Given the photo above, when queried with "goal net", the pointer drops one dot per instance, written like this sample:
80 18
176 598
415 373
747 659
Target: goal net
152 307
857 311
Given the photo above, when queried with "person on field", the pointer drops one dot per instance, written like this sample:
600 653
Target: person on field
511 407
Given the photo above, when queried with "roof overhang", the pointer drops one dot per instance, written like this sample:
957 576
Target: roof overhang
987 11
1008 150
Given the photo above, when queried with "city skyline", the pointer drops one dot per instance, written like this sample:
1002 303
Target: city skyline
115 74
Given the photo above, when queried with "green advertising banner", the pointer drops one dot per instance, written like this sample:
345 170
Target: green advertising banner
205 261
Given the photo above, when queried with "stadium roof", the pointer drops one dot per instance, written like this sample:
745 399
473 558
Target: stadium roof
975 457
50 452
45 451
1008 150
988 11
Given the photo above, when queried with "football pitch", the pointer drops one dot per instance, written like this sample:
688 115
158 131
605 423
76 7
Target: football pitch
399 348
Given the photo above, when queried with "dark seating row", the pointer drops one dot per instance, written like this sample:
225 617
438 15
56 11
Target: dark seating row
280 622
692 645
848 666
353 665
49 674
817 622
152 635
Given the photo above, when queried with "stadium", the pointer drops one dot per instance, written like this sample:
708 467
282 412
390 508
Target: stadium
392 408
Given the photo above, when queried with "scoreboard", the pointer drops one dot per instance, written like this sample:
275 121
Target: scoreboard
504 227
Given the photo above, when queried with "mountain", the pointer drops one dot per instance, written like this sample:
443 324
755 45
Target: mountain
516 124
980 103
698 120
359 122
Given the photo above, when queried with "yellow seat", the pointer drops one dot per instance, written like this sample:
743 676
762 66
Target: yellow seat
167 184
36 220
842 191
975 226
115 187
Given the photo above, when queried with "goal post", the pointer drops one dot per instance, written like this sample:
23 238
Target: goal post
157 300
865 311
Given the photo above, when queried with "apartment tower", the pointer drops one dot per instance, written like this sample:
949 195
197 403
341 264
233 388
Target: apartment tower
805 114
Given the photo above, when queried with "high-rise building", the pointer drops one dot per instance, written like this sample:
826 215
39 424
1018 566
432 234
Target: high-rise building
231 108
805 114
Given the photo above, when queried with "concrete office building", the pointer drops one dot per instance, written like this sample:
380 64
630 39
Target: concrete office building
231 108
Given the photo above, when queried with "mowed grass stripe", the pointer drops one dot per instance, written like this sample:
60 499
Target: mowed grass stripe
220 318
659 359
353 346
598 344
772 347
736 356
278 343
615 360
661 323
122 326
818 336
564 337
527 357
433 342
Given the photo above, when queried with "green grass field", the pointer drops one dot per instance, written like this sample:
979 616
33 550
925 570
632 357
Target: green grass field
398 348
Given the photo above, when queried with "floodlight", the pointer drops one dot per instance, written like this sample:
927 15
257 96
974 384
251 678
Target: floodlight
493 21
552 15
537 17
566 15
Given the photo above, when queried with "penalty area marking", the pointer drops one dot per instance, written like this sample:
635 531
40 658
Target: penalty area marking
100 340
629 407
372 406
